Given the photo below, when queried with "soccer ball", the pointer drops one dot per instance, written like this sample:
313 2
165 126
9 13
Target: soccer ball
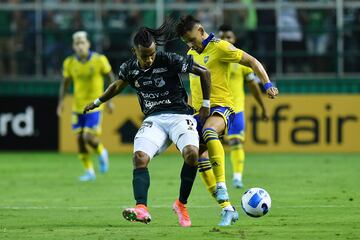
256 202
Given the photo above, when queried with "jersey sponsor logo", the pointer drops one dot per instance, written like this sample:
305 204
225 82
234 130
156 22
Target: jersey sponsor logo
21 124
159 82
206 59
151 104
146 83
154 95
160 70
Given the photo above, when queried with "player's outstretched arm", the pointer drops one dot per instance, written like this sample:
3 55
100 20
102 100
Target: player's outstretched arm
205 79
259 70
64 86
256 92
114 89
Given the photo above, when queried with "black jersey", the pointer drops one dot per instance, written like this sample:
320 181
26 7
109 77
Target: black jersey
160 88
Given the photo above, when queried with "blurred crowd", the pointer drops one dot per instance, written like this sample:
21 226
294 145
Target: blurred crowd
307 37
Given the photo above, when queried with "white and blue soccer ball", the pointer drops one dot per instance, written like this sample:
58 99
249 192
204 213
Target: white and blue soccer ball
256 202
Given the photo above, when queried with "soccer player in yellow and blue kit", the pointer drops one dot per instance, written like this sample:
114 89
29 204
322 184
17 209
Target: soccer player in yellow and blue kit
239 75
216 55
86 69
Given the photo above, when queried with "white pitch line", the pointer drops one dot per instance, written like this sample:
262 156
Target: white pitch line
154 206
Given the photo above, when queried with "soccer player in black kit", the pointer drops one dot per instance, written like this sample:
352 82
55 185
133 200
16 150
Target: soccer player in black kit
168 118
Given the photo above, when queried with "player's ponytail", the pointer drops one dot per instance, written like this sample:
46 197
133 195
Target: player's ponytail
146 36
186 24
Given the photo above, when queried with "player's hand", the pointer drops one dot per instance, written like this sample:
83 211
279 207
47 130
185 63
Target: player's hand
272 92
109 107
89 107
204 113
265 114
59 109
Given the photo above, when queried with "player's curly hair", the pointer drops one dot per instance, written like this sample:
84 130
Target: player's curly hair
146 36
186 24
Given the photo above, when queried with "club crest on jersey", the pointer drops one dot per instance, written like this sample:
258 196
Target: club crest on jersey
206 59
159 82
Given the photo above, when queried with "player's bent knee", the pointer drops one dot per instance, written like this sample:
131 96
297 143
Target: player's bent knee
190 154
140 159
215 122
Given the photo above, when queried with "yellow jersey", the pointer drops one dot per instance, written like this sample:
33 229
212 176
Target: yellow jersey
87 77
238 75
216 57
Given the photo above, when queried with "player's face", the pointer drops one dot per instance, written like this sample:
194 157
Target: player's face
228 36
81 46
145 56
194 38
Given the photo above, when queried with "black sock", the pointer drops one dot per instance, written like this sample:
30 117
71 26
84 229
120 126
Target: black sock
141 184
187 176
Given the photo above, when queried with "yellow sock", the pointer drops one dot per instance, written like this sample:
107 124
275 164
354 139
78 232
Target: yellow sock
237 155
216 153
207 175
208 178
85 159
100 148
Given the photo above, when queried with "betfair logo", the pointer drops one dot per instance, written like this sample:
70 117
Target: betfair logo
304 129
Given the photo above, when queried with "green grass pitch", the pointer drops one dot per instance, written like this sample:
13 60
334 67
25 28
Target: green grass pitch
314 196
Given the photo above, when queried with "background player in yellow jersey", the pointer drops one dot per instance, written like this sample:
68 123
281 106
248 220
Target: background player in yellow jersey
86 69
216 55
240 74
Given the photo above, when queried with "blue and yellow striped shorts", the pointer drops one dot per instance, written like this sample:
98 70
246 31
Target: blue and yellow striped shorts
226 112
90 122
